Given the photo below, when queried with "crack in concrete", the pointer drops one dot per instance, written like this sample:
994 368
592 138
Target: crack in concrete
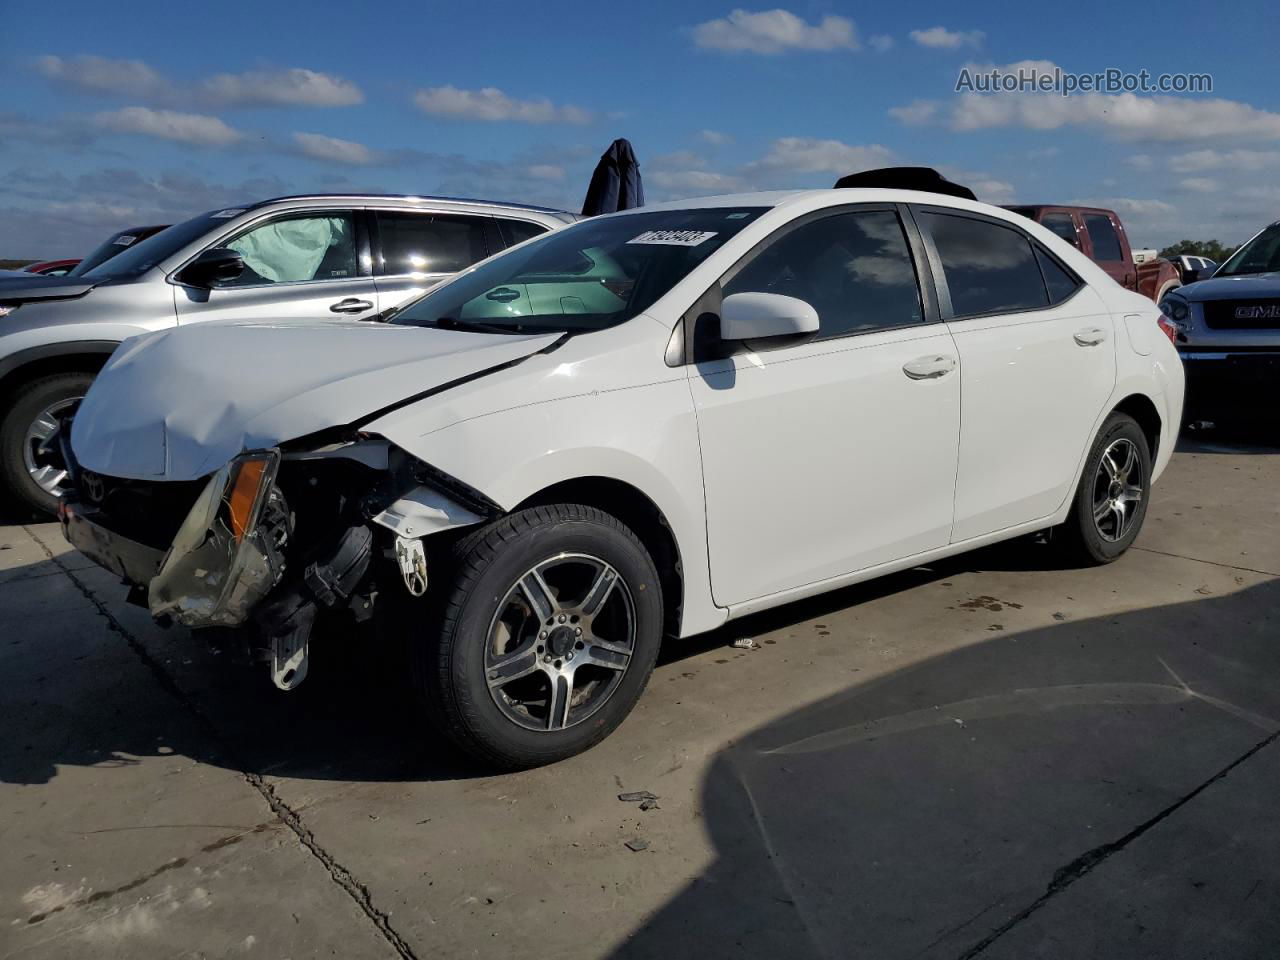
1088 861
339 874
1212 563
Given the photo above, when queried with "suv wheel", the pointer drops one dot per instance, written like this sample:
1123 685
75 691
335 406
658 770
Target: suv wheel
1111 501
547 637
32 471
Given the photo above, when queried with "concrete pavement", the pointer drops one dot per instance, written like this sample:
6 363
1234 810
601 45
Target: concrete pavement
990 757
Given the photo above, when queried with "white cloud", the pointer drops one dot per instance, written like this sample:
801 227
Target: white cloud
320 147
292 87
691 183
129 78
194 128
714 137
1140 161
775 31
546 171
917 113
491 104
809 155
1199 184
1247 161
880 42
940 38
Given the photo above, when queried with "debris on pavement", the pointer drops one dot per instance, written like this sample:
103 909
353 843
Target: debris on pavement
651 804
636 796
745 643
636 845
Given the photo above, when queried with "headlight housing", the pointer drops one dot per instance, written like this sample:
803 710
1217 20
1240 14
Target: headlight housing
1175 308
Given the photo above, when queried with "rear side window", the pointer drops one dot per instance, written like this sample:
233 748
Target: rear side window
855 269
428 243
1057 280
1062 225
988 268
1102 234
518 231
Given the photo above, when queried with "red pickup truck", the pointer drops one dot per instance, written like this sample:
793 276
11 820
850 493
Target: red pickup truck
1100 235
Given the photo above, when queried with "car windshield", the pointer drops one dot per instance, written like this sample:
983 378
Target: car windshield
141 257
592 275
114 245
1259 255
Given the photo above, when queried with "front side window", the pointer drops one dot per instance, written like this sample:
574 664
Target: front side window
854 269
1259 255
988 268
1103 237
425 243
589 276
296 249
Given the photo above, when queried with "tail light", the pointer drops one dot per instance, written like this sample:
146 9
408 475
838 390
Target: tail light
1171 329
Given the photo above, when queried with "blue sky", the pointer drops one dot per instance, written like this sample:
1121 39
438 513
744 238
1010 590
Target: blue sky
116 115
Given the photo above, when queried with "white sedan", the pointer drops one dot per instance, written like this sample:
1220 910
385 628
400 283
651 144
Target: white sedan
636 428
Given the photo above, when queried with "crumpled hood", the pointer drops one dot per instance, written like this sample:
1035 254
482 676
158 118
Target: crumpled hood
180 403
1233 288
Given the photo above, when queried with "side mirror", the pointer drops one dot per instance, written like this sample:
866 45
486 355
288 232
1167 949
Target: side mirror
754 316
213 266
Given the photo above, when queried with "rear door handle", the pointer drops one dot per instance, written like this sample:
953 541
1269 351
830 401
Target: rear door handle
930 367
351 305
1090 336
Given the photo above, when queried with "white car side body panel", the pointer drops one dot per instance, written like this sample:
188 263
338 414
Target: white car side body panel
607 406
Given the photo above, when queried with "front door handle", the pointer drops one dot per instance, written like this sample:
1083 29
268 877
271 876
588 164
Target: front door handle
1090 336
503 295
930 367
351 305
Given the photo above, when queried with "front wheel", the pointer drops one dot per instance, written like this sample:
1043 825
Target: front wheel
1111 501
547 637
31 469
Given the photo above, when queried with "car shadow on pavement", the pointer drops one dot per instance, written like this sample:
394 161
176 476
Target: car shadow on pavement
1101 787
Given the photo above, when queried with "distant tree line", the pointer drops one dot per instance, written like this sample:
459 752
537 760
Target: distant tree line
1199 248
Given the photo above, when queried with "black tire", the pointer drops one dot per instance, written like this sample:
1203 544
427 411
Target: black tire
450 667
1080 538
29 400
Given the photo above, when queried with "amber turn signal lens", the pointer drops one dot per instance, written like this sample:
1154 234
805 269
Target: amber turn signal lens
244 492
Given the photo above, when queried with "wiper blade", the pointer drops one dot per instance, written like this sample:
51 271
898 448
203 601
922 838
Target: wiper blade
450 323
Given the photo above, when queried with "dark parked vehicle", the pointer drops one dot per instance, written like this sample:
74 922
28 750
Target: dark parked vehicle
1100 236
1227 329
117 243
51 268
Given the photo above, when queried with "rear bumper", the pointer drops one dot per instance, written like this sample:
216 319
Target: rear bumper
136 563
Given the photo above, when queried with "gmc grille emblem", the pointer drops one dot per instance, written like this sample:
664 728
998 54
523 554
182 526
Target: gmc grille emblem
1271 312
94 488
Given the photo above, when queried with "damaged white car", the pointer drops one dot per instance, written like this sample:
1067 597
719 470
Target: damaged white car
642 425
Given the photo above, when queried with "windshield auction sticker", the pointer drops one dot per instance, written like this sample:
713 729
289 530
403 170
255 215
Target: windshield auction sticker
674 238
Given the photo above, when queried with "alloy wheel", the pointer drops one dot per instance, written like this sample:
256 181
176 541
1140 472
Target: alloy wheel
43 462
560 642
1117 490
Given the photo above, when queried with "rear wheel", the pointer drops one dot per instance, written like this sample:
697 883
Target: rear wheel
547 637
31 467
1111 501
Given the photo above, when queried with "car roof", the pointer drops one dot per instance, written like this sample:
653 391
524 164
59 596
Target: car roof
411 197
837 195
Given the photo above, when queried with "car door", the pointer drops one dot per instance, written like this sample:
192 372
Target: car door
836 453
413 250
298 265
1037 360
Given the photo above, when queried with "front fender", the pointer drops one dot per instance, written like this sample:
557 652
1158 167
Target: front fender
644 436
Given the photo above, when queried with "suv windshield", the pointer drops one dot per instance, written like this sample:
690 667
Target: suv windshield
141 257
1259 255
592 275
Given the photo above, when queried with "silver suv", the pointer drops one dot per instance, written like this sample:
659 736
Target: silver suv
289 258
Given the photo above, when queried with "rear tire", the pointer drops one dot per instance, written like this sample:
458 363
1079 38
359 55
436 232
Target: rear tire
1110 503
522 586
21 431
